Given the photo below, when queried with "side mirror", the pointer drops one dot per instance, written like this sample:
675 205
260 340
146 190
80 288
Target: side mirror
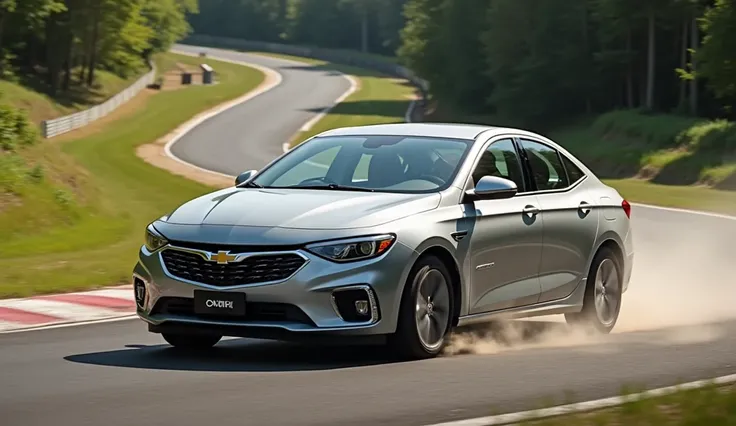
492 188
244 176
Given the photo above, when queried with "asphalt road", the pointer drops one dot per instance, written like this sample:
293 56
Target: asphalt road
677 324
251 134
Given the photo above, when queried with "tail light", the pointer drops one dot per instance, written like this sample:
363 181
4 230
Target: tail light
627 208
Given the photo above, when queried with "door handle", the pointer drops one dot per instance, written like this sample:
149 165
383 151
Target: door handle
531 210
584 207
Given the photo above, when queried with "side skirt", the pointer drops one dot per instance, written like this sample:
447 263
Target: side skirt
569 304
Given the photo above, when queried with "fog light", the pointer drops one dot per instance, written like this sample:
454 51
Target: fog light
140 291
357 304
361 307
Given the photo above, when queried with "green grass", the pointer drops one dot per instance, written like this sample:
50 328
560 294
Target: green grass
380 99
665 160
686 197
40 106
666 149
84 227
709 406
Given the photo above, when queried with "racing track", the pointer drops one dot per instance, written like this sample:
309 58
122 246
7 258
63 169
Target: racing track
118 374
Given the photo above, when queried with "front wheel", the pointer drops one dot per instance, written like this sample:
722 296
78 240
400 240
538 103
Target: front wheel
425 314
191 341
602 301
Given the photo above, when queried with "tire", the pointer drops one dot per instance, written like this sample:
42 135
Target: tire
605 280
191 341
431 279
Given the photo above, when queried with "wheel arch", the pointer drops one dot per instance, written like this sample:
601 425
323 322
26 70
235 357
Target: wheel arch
611 241
446 256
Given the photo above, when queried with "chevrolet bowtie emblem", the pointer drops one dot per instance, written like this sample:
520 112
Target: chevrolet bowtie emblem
223 257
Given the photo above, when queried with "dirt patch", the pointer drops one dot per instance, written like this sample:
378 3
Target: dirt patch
155 153
8 200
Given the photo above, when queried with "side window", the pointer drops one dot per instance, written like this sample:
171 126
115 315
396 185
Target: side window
500 159
547 170
316 167
574 173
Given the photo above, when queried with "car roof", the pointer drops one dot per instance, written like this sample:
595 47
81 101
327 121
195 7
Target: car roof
438 130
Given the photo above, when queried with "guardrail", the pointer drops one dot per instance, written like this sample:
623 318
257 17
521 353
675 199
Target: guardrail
61 125
331 55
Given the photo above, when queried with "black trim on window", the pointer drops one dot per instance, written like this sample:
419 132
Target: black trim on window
570 184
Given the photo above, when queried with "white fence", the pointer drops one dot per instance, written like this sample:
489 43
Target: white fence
330 55
61 125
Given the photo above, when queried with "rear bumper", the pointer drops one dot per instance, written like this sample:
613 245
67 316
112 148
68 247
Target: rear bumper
628 260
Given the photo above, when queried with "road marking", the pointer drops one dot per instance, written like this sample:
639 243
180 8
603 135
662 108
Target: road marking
286 146
68 324
191 124
353 88
598 404
686 211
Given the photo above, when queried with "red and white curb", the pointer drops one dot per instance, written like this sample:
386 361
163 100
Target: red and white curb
57 309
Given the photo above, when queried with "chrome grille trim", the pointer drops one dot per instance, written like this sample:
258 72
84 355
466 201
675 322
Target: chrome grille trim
240 257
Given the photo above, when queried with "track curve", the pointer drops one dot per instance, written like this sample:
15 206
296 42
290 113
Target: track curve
251 134
677 324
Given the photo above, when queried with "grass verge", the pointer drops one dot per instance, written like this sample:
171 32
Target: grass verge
379 99
29 95
663 160
83 229
708 406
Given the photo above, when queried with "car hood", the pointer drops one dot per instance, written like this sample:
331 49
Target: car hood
300 208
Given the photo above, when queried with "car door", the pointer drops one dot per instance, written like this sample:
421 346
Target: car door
506 242
570 219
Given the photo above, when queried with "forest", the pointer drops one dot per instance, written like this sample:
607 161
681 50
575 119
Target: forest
54 45
536 61
533 61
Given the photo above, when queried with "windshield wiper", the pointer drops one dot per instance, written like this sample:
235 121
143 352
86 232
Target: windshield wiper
335 187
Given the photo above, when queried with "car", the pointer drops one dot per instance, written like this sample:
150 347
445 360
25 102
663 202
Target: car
401 232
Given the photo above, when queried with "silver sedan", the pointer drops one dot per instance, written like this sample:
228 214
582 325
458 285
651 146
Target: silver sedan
401 232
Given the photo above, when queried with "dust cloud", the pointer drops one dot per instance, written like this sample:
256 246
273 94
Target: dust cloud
683 283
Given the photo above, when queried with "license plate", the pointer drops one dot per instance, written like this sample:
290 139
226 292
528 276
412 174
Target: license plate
219 303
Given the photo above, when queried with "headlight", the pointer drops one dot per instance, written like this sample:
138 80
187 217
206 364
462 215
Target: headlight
353 249
154 240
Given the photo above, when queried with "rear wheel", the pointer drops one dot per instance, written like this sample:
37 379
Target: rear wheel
191 341
425 314
602 302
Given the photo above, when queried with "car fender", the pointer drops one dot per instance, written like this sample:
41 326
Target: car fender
456 250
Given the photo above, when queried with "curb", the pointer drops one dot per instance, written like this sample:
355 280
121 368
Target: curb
65 309
272 80
581 407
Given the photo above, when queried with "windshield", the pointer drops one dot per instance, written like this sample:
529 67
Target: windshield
406 164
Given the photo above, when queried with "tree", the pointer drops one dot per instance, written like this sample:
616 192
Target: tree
168 20
717 56
538 58
421 48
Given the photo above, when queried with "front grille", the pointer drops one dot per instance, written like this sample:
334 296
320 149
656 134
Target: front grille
259 268
254 311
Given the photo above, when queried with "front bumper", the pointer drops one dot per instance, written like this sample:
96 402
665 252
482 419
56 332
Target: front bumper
304 304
